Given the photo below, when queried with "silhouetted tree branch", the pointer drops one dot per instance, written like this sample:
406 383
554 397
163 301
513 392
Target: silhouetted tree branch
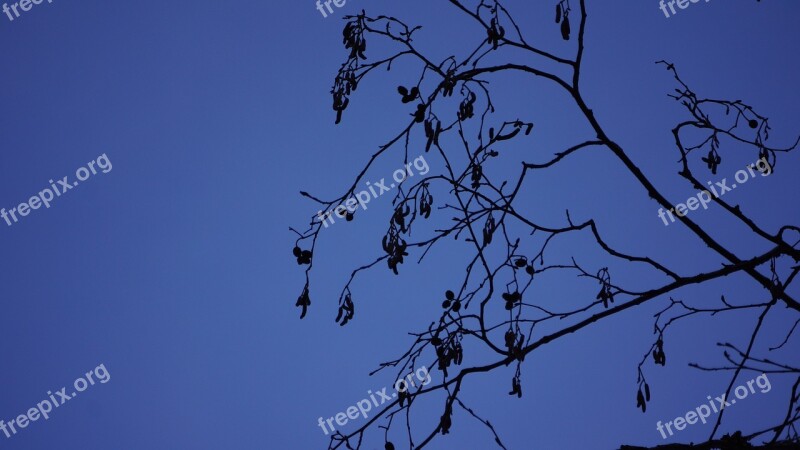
493 308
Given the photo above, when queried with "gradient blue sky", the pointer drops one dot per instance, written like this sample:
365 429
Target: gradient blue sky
175 268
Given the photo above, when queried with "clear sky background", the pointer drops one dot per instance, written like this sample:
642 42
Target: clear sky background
174 269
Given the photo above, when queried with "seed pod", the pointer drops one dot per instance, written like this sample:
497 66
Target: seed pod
459 354
640 401
511 338
565 30
558 13
646 392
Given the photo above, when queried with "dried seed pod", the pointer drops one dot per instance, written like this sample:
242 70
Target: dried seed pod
565 30
511 339
640 403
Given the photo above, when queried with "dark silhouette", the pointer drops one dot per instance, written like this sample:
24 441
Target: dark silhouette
483 206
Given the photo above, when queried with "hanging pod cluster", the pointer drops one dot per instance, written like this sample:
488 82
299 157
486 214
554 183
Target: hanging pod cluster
488 230
353 38
477 174
304 301
511 299
346 81
394 246
523 262
495 33
605 294
448 84
408 96
346 310
466 110
658 353
425 202
303 256
514 344
399 217
433 128
450 302
448 353
713 160
419 114
765 155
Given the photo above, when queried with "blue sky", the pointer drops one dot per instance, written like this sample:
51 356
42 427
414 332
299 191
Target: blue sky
174 269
